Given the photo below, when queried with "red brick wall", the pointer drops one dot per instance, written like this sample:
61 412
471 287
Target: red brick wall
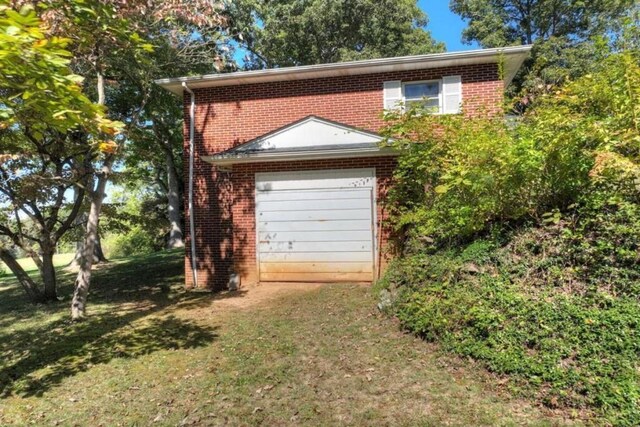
231 115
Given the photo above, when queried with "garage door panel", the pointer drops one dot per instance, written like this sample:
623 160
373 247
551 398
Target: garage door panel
314 236
345 247
341 178
317 267
315 277
312 205
290 257
315 226
320 225
326 215
319 194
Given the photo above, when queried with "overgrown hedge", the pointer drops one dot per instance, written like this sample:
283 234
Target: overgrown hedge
521 241
523 312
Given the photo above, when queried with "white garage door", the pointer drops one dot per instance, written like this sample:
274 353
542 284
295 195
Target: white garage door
315 226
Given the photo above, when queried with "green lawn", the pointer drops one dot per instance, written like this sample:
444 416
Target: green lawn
59 260
153 353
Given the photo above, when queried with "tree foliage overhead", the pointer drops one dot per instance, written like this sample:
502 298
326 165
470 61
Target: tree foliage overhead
39 92
495 23
569 36
302 32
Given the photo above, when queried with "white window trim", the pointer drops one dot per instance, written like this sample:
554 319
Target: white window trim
440 95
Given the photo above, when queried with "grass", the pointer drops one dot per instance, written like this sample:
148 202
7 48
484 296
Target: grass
153 353
59 260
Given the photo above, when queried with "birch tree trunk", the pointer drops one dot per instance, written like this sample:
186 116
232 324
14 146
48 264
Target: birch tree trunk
173 196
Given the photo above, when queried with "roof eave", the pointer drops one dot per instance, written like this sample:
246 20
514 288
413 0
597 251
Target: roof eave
297 156
513 58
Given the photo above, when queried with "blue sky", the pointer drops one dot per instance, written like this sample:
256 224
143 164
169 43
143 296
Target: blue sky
445 25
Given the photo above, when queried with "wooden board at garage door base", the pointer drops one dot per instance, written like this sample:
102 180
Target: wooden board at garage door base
315 277
316 267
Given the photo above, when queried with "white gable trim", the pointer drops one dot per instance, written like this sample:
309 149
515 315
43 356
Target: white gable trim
313 132
307 139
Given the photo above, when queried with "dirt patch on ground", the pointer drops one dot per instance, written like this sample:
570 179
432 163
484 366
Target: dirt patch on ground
258 294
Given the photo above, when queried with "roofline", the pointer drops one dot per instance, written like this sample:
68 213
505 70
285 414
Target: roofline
302 155
514 57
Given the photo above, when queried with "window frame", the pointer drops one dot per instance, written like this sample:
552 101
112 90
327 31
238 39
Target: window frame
440 97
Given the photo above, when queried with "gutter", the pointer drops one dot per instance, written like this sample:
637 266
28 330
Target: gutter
514 55
192 227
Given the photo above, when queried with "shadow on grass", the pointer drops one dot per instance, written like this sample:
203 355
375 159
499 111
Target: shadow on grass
126 279
131 307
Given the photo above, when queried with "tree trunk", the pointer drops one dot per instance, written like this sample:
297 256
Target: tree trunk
173 196
81 291
29 286
98 254
49 273
83 280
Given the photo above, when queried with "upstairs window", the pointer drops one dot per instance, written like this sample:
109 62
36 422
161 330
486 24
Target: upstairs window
442 96
426 94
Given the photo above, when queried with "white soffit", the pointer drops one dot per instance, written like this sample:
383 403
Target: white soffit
513 58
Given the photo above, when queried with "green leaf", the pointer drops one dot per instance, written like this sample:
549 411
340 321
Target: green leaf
441 189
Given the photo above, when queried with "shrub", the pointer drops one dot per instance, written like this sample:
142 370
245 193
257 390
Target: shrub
523 240
570 349
136 241
458 175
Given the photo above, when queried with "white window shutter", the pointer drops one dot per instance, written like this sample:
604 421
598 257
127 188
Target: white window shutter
392 92
451 94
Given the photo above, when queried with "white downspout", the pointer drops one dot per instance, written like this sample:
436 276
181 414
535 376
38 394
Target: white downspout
192 227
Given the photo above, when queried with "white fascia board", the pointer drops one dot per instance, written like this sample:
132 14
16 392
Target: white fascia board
304 155
513 57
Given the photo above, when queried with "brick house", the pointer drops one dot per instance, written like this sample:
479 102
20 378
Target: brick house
285 168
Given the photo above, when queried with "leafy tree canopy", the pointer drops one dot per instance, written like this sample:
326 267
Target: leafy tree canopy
296 32
38 90
494 23
49 132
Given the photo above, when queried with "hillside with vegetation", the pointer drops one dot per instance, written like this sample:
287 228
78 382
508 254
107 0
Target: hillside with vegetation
520 240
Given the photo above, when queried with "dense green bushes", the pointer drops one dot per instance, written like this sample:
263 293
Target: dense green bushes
524 310
136 223
458 175
136 241
522 240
